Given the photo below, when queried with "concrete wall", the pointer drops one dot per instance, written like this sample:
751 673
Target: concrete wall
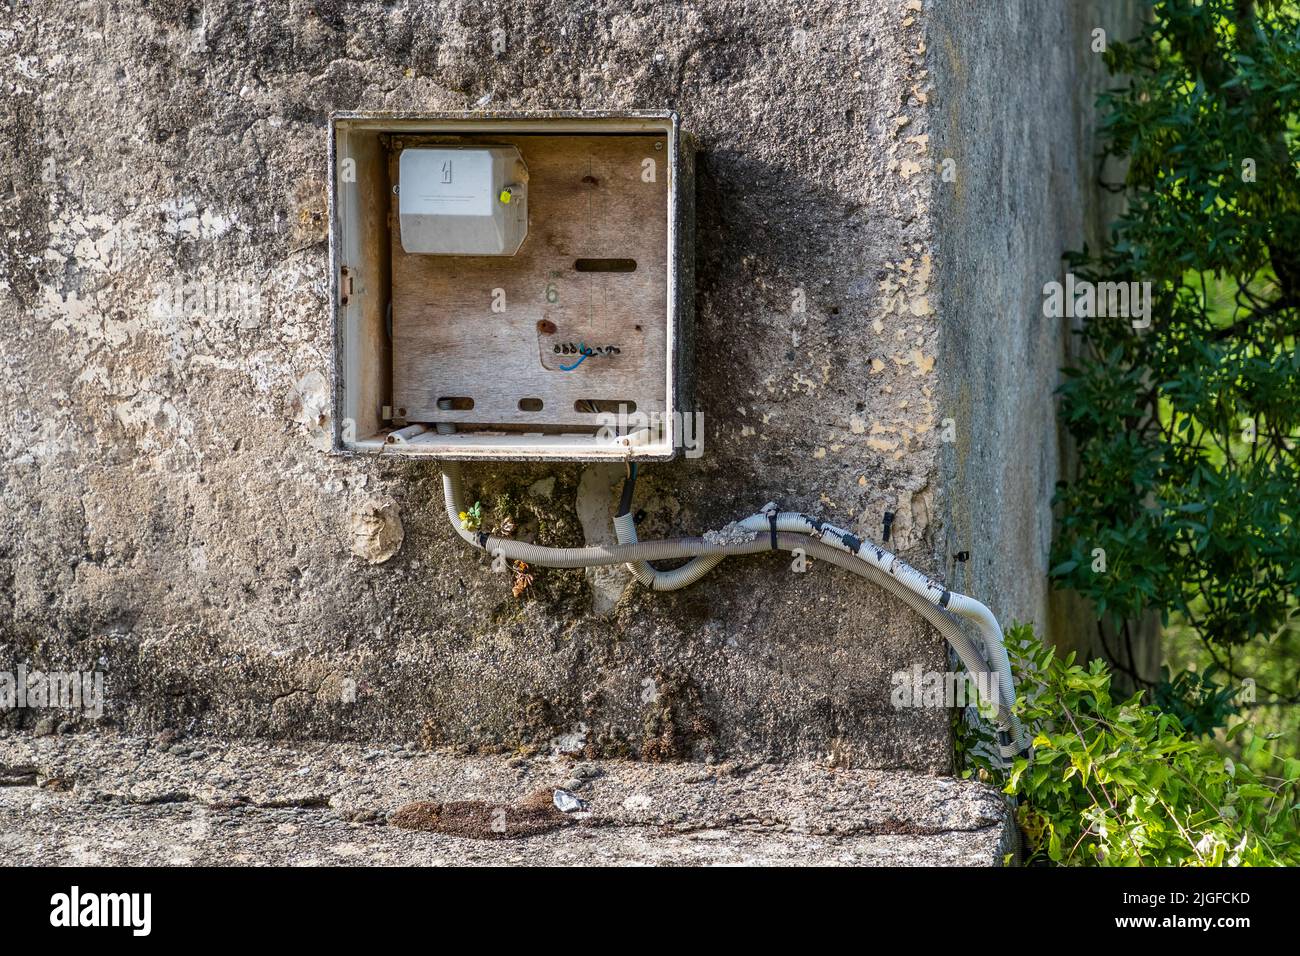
1015 88
168 511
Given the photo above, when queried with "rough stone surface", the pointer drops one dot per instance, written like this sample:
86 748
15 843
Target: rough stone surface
169 514
168 510
105 798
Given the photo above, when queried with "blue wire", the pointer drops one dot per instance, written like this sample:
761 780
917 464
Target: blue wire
582 347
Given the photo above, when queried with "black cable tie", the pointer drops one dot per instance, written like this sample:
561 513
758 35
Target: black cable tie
889 521
771 520
483 540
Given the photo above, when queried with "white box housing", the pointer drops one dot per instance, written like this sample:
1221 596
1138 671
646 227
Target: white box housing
463 201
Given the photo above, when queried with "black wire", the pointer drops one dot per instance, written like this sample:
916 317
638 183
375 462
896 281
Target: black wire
629 485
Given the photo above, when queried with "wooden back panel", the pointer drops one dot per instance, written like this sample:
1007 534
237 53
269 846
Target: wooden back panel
588 199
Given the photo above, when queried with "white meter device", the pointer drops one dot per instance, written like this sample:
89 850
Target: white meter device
463 201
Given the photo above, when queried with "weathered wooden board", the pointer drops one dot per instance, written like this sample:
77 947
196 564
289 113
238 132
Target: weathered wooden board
589 199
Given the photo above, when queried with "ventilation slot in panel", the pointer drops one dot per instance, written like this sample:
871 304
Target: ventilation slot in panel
605 265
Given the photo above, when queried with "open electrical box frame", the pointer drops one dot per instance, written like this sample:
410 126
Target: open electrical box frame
575 348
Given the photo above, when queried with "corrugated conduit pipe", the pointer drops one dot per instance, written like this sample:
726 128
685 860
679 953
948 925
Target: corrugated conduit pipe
767 531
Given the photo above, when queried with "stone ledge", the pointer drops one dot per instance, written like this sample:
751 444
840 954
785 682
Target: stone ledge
112 799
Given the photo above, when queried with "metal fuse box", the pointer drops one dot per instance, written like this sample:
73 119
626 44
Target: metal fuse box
512 285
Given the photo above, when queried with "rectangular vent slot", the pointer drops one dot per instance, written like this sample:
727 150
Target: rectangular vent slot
596 406
605 265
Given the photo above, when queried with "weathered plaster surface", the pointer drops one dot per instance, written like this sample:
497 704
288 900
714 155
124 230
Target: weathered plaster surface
1014 86
168 508
168 511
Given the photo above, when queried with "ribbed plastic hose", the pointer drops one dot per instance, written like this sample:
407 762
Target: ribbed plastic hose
767 531
886 569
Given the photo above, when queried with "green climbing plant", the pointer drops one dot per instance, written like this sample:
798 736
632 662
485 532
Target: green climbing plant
1187 488
1119 782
